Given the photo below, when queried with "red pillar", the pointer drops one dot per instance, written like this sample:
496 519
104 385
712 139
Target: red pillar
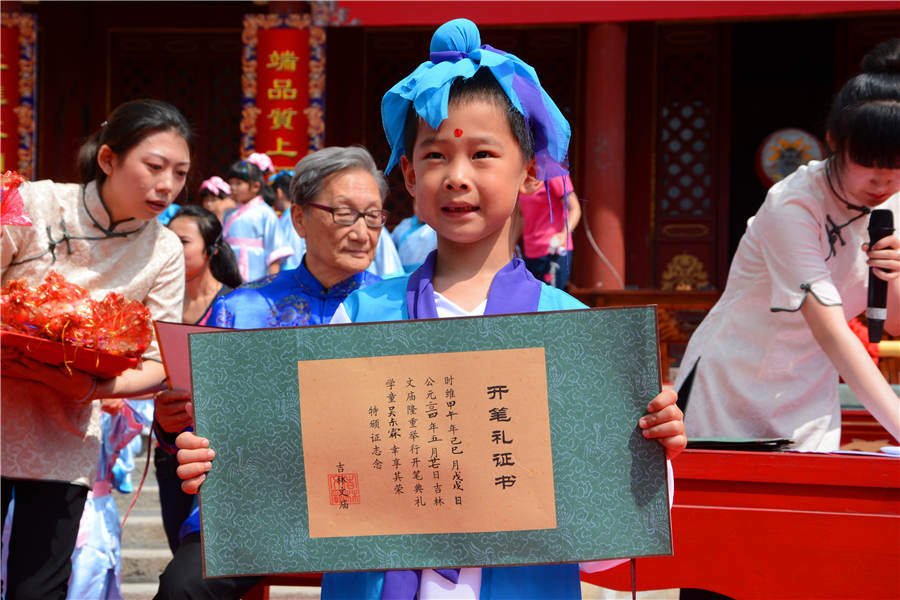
602 174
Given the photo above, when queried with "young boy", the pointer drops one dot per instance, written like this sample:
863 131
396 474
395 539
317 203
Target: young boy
466 153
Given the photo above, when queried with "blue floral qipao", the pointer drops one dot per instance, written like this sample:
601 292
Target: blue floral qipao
252 232
290 298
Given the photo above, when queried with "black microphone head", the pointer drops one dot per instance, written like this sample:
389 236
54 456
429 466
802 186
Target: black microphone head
881 218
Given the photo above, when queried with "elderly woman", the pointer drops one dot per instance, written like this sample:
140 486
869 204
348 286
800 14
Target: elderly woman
337 196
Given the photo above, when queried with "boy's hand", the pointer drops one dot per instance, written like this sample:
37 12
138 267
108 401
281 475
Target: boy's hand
194 456
665 423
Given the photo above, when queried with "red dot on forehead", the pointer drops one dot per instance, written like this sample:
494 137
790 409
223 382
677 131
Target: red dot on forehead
457 132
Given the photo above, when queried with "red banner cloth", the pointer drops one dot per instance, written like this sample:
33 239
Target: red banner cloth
9 91
282 74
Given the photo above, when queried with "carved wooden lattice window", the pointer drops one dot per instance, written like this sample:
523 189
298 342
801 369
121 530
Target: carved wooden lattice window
691 108
685 135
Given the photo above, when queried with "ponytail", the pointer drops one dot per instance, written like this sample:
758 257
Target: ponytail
222 263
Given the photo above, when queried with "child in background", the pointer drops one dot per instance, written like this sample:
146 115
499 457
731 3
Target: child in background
97 558
252 228
215 196
264 162
281 185
414 239
548 218
464 160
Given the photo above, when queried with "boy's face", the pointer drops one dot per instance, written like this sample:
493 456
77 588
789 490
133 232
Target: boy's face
466 176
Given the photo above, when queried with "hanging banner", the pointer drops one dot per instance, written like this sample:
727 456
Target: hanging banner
283 82
17 94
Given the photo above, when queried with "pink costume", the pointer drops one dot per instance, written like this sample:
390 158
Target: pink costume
252 232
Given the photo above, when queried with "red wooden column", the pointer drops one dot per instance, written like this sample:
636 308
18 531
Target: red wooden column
602 174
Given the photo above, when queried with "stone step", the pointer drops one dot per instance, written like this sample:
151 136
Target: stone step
138 590
144 531
143 565
147 501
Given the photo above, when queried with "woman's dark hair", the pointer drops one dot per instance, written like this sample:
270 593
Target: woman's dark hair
481 86
864 121
222 262
126 127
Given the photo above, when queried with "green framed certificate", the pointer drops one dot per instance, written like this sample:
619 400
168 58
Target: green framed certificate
498 440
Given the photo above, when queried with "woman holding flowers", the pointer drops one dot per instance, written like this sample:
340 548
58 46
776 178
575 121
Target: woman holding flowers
102 235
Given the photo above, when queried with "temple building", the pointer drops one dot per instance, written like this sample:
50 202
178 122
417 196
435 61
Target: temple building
670 102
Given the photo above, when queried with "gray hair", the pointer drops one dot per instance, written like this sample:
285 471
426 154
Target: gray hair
313 169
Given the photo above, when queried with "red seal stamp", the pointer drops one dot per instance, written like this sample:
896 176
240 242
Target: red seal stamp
343 489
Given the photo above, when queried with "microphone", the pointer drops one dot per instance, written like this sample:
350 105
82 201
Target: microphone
881 224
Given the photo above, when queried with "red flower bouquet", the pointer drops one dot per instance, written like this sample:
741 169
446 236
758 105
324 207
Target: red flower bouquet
58 323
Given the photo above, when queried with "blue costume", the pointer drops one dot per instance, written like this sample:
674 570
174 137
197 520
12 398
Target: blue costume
513 289
96 561
414 240
290 239
456 52
386 261
251 230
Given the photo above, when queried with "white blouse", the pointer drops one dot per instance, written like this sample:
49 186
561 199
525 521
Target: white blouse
759 371
45 435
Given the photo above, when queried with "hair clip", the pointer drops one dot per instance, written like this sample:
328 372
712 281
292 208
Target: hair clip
262 161
216 185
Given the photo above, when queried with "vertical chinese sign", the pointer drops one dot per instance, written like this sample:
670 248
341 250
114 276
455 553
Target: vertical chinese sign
283 82
17 93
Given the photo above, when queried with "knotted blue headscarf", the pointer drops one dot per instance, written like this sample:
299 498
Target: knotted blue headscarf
456 51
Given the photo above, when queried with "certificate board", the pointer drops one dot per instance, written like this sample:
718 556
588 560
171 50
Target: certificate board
497 440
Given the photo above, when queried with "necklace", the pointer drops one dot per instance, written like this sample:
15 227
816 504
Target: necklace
65 237
832 229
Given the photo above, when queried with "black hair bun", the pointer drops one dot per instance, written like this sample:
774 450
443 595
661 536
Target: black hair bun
883 59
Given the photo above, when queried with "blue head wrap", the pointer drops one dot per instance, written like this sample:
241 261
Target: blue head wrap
456 51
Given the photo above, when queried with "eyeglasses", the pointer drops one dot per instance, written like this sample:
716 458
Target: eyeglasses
343 215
